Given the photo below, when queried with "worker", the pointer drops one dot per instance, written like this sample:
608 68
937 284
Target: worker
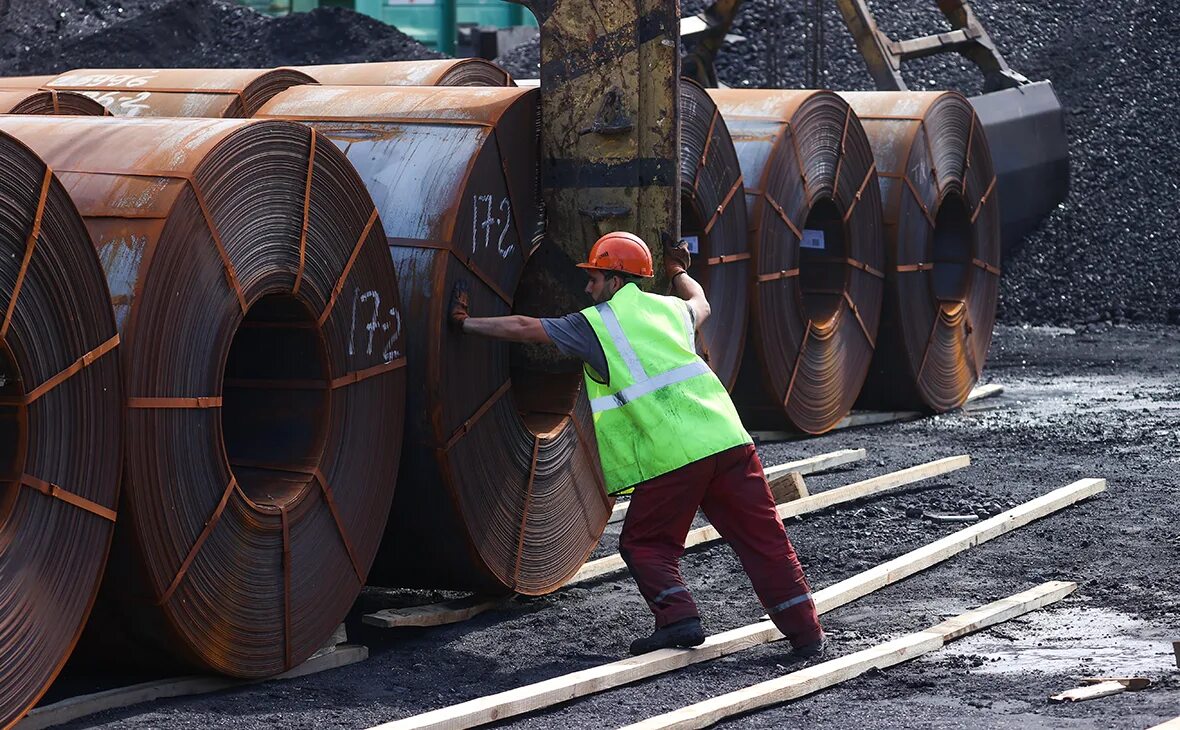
667 430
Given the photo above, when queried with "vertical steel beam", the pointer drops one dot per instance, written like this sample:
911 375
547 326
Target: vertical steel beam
610 73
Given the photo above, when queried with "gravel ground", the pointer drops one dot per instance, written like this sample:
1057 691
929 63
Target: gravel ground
51 36
1099 401
1106 253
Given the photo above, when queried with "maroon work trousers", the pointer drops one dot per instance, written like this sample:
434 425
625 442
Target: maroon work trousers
731 489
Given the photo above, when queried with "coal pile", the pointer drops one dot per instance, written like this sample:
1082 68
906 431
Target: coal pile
51 36
523 61
1107 253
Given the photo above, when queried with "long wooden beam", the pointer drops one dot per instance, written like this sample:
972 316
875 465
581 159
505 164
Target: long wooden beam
857 419
560 689
1168 725
858 490
810 465
821 676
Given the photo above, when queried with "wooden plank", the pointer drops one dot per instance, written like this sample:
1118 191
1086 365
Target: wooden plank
433 614
820 676
858 490
1090 692
857 419
528 698
77 707
1132 683
1169 725
810 465
789 488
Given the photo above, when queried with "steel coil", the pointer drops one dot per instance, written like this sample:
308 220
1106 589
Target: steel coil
224 93
713 218
32 101
438 72
942 225
61 427
501 488
819 255
262 353
25 82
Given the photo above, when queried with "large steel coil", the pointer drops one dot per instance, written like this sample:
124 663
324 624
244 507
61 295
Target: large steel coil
226 93
60 427
819 254
713 219
501 488
437 72
262 353
942 225
32 101
25 82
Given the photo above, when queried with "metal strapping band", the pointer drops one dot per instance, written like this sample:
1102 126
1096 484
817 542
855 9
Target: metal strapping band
983 199
621 343
669 592
856 313
788 604
860 191
196 548
286 587
306 213
840 161
469 262
783 214
230 274
56 106
648 386
528 503
907 268
986 266
762 278
30 246
848 261
356 250
331 502
213 401
918 199
696 178
795 368
967 151
487 405
52 490
926 349
930 151
724 204
359 375
729 258
74 368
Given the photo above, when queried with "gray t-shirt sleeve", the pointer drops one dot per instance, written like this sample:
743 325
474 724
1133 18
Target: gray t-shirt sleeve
573 335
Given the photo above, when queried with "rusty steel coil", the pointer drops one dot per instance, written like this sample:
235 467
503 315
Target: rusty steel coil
500 488
33 101
819 255
262 354
61 427
25 82
713 219
438 72
224 93
942 227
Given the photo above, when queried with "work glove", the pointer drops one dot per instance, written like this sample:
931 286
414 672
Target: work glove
676 258
458 312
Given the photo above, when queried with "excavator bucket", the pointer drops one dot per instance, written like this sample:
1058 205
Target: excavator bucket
1025 129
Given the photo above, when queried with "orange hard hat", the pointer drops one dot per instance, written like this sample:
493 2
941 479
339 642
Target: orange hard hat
620 251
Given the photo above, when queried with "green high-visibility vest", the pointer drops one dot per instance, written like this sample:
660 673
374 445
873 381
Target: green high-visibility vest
663 407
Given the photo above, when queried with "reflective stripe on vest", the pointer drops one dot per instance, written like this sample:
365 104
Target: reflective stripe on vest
650 385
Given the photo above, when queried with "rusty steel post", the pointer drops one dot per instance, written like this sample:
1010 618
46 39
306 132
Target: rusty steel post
437 72
263 355
609 119
61 427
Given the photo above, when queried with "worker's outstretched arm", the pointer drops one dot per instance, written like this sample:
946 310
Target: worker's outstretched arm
676 263
515 327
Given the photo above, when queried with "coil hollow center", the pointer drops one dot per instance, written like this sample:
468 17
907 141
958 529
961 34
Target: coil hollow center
954 247
13 434
823 269
276 401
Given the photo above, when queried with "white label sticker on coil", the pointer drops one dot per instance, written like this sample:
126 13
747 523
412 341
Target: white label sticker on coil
694 244
812 239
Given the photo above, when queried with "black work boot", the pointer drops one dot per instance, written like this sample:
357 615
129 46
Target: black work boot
813 653
684 633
